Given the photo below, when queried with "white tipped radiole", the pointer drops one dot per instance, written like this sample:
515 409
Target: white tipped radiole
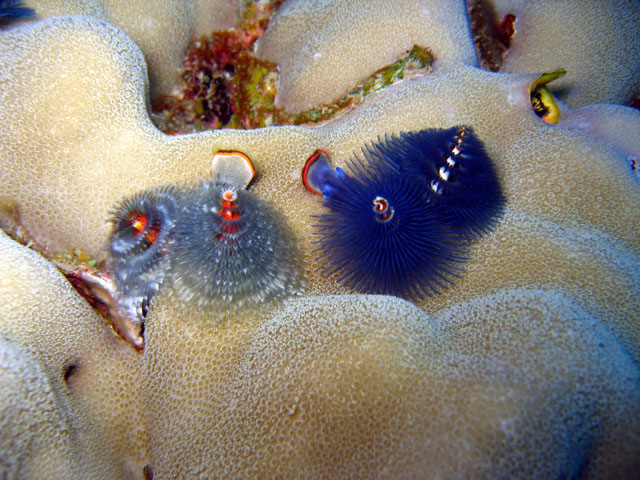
241 254
217 250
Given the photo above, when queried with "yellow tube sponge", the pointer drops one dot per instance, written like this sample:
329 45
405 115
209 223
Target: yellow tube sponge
597 43
161 28
521 384
325 48
91 373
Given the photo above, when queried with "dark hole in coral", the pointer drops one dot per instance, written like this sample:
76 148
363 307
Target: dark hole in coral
563 90
147 473
69 371
142 324
144 306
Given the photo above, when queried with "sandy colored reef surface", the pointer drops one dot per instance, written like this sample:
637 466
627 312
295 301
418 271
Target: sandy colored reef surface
526 364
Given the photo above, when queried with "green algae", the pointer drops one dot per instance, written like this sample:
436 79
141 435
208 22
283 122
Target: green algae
416 61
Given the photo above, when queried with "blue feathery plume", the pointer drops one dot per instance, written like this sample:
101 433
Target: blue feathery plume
14 9
454 165
383 234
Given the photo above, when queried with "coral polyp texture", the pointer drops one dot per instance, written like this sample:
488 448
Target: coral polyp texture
32 440
79 374
526 367
161 28
316 57
564 34
372 386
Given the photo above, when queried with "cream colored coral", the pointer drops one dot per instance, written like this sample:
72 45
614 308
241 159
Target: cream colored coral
92 417
83 140
619 126
597 43
526 251
36 440
161 28
520 384
543 168
542 339
537 342
324 48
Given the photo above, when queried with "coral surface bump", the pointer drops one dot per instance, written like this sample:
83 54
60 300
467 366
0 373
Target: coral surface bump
81 366
596 44
323 47
161 28
519 384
